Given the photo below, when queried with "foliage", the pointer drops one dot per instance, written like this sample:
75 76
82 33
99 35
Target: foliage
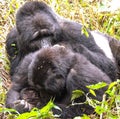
39 113
109 107
35 113
93 14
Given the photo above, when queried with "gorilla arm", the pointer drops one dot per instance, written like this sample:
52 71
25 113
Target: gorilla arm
19 81
13 94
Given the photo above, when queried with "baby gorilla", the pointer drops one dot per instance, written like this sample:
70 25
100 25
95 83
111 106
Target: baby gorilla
55 72
49 69
58 70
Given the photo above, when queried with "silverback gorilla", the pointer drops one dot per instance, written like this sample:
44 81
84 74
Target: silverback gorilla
38 26
54 72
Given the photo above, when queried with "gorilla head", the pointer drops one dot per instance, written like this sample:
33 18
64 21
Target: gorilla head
49 69
37 25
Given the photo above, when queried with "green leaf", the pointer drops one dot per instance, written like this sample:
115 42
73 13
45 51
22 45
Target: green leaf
92 102
84 31
37 114
28 115
8 110
97 86
99 110
48 107
112 84
92 92
111 92
85 117
13 44
76 94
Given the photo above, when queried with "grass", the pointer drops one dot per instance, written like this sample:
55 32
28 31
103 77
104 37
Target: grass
93 15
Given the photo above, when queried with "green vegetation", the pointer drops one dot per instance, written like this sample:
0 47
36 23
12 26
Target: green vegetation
108 108
93 15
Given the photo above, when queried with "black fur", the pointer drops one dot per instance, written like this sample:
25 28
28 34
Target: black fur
38 26
55 72
35 17
12 49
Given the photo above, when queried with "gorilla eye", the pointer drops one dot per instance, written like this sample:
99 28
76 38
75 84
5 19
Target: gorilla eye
39 67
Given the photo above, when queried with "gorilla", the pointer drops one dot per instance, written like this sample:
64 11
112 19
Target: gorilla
12 49
39 26
54 72
109 45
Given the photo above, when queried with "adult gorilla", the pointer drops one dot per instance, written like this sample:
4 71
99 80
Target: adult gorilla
38 26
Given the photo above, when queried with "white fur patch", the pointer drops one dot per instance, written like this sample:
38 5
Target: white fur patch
103 43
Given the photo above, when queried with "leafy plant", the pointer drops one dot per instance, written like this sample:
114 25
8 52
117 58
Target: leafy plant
35 113
108 108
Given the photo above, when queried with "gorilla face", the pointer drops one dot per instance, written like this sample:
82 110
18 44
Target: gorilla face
36 27
48 70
